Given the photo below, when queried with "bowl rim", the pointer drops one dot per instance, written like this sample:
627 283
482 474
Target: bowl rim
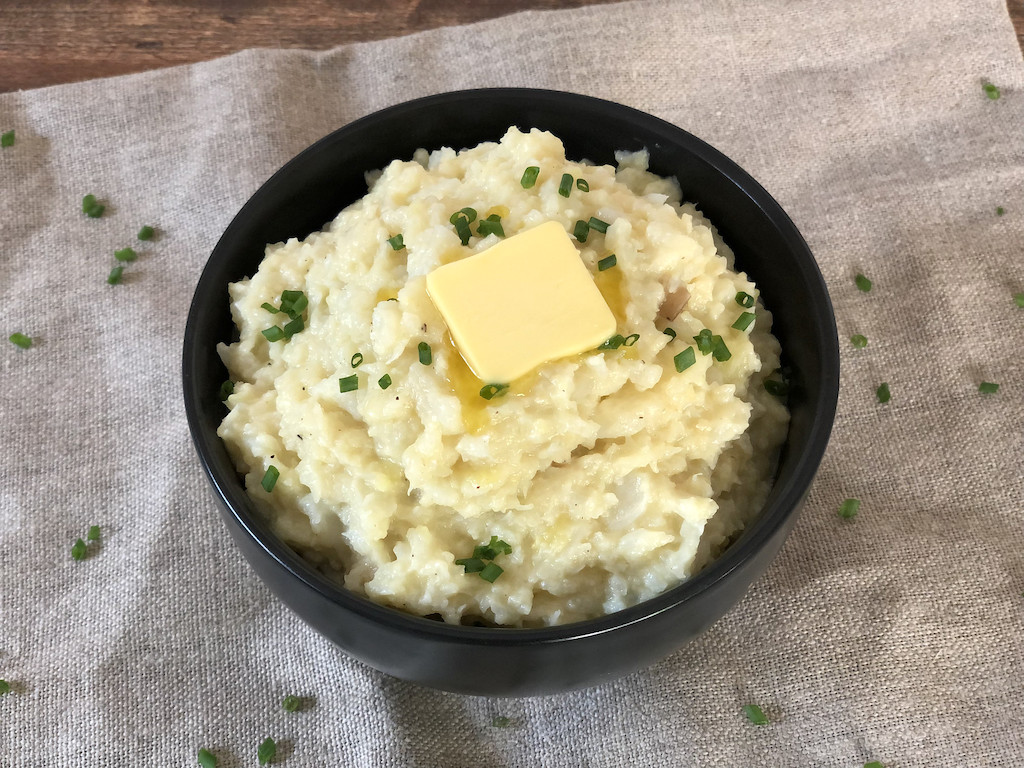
783 500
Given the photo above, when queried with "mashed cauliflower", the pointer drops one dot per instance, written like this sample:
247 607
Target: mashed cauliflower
610 475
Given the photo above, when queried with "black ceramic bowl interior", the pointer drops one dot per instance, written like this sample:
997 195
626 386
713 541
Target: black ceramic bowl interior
312 188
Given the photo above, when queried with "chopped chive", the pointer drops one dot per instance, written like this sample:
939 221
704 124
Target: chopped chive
491 572
530 176
565 185
743 321
469 214
93 534
491 391
492 549
873 764
704 341
273 333
207 759
462 229
270 308
146 233
614 342
471 564
859 341
293 303
862 282
291 703
78 550
5 687
397 242
744 299
598 225
991 91
630 340
849 508
499 721
607 263
755 714
126 254
1000 210
776 388
720 352
91 207
20 340
357 359
490 226
685 359
384 381
582 185
293 326
348 383
426 356
270 478
581 230
7 139
1018 299
115 275
266 750
988 388
670 332
227 389
883 393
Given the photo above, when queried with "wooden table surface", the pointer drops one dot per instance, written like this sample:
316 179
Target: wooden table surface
46 42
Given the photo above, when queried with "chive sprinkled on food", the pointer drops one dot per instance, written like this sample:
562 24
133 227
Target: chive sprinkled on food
565 185
397 242
291 704
7 139
849 508
607 263
988 388
873 764
78 550
490 226
227 389
630 340
500 721
776 387
685 359
744 299
582 185
859 341
705 342
207 759
581 230
529 177
743 321
357 359
482 560
614 342
670 332
991 91
293 303
426 356
146 233
755 714
270 478
1018 299
719 351
348 383
91 207
862 282
93 533
126 254
491 571
491 391
597 225
1000 210
114 278
883 393
20 340
5 687
384 381
266 751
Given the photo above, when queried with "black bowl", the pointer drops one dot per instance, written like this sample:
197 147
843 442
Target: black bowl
311 189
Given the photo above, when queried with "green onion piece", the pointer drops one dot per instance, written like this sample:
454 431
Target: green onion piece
266 750
492 549
743 321
991 91
227 389
91 207
115 275
630 340
357 359
607 263
582 185
293 303
744 299
292 327
720 352
491 391
490 226
469 214
859 341
462 229
988 388
530 176
1018 299
93 533
270 308
7 139
5 687
598 225
348 383
883 393
384 381
126 254
1000 210
20 340
704 342
273 333
397 242
207 759
863 283
670 332
581 230
471 564
78 550
146 233
270 478
426 356
291 703
873 764
755 714
776 388
614 342
499 721
491 572
565 185
848 508
685 359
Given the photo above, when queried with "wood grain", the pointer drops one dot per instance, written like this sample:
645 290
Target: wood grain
47 42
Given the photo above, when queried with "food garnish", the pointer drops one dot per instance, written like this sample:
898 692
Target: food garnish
491 391
425 354
988 388
882 393
744 299
565 185
755 714
582 185
607 263
93 533
482 553
862 282
348 383
581 230
226 390
384 381
500 721
743 321
20 340
270 478
207 759
291 704
530 177
685 359
91 207
78 550
848 508
357 359
115 275
126 254
7 139
859 341
397 242
266 751
146 233
991 91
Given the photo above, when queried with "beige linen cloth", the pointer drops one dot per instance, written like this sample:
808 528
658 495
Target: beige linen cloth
897 636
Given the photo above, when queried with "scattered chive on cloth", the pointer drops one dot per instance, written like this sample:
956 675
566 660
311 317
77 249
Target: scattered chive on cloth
895 635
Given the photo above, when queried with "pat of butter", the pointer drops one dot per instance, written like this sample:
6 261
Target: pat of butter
521 303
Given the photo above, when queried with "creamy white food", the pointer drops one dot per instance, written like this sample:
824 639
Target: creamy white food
611 476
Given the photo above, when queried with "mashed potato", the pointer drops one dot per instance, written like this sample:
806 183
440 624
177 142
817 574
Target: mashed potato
611 476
